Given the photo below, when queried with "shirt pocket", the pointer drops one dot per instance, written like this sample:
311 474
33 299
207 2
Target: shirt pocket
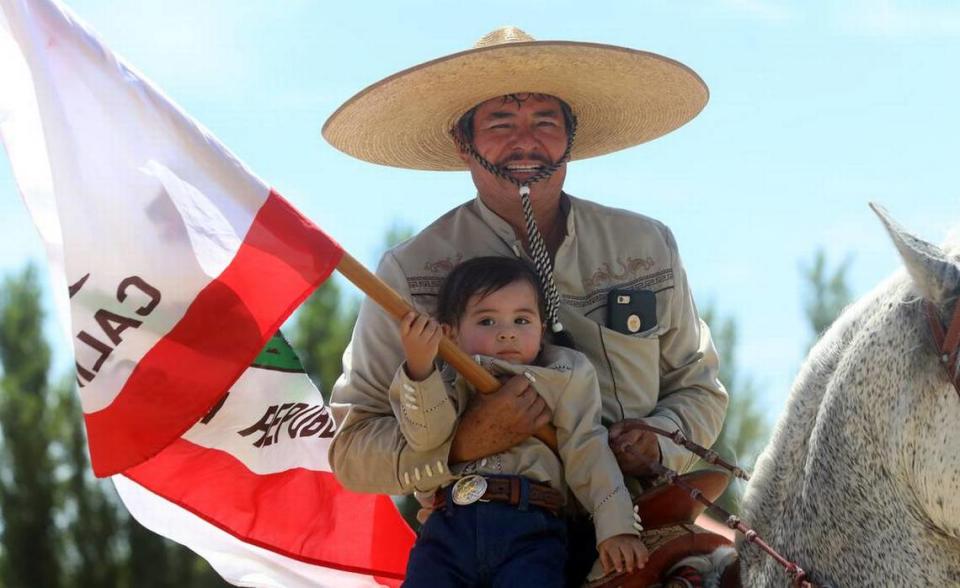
628 368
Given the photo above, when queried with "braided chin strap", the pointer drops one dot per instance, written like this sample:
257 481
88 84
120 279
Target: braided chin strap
538 248
541 257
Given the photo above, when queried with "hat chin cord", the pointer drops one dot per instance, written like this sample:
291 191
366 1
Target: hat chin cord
538 248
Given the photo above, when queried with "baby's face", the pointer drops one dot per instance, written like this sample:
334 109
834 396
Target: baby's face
504 324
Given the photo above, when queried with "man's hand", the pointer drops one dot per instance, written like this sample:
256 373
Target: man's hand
420 336
496 422
634 448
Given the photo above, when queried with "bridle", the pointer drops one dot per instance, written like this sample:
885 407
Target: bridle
945 341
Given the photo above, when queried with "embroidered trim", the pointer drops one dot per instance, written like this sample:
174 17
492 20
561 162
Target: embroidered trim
408 419
437 406
608 497
424 285
605 274
600 294
444 265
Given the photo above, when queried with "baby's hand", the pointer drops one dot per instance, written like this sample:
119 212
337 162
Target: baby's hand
420 335
622 553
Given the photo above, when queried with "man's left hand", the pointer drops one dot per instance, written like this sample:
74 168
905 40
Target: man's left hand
634 448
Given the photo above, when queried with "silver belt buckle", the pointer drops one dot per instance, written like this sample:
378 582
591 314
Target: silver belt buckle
468 489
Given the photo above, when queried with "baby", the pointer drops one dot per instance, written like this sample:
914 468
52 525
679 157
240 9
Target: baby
501 522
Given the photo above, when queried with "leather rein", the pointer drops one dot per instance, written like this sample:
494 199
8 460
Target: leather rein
799 577
946 341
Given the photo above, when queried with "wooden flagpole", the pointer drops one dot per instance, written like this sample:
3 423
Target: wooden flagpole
396 306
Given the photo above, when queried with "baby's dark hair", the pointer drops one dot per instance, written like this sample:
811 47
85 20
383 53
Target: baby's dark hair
482 276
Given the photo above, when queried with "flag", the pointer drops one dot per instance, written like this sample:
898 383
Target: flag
178 265
256 467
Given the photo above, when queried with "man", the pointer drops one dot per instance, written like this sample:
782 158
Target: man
513 111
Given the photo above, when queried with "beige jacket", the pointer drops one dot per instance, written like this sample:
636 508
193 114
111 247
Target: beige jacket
427 413
667 375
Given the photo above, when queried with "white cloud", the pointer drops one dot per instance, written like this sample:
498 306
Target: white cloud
894 18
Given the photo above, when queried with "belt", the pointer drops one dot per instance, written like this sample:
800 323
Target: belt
509 490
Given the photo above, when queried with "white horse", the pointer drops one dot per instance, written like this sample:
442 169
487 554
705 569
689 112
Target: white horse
860 484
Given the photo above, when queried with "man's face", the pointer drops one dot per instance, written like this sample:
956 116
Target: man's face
504 324
520 134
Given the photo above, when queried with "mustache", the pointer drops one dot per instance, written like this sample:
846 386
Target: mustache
534 156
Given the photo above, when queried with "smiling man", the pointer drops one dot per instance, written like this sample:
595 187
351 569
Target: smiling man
514 111
518 139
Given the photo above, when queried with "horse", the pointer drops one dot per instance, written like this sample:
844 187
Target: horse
860 482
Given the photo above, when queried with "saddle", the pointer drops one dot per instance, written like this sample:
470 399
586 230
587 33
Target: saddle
668 514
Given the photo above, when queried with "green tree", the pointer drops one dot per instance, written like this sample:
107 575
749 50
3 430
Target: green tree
396 234
148 562
60 525
324 323
91 545
103 544
827 292
321 333
157 562
27 484
745 428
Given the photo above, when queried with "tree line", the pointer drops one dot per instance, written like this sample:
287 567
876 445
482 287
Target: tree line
61 527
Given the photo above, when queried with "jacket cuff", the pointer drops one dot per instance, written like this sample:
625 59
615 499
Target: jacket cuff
424 470
614 516
429 392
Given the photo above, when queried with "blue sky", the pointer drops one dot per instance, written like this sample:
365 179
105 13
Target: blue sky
816 108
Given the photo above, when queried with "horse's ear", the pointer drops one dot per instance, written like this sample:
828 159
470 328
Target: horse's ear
937 276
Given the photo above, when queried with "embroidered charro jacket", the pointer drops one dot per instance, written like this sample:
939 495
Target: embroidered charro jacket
427 413
666 375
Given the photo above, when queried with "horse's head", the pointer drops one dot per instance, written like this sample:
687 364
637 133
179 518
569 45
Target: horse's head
860 484
922 378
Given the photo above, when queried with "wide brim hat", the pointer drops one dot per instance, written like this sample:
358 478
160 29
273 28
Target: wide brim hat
622 97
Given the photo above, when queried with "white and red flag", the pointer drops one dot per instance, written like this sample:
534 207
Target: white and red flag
180 266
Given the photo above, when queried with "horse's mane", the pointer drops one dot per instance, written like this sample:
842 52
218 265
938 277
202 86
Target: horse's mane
859 480
780 467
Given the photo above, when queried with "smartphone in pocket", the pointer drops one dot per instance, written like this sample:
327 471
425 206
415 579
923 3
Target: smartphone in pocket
631 311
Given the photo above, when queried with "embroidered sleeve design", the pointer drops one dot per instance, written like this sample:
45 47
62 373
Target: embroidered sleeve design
620 488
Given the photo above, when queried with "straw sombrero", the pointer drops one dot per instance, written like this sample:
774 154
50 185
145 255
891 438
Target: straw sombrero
622 97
